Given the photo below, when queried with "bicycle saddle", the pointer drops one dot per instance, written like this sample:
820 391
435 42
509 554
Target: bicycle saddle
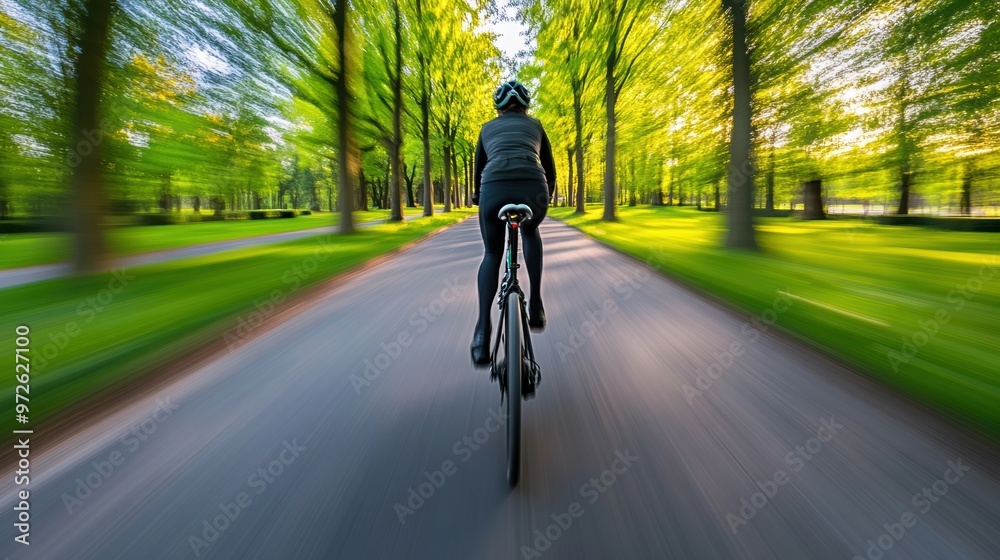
515 213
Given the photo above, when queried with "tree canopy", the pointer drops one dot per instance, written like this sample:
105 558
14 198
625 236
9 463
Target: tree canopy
128 106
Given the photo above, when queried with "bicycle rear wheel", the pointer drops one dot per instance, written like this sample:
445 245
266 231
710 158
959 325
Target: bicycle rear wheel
514 360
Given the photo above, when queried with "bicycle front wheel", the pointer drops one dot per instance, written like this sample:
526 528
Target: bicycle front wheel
513 356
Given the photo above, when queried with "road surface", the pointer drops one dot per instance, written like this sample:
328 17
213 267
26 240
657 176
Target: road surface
665 427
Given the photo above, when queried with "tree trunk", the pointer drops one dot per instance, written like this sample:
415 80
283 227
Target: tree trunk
363 191
89 252
966 204
345 133
425 119
578 147
633 189
411 201
164 201
446 186
569 177
470 172
396 152
670 188
812 195
454 173
313 194
465 176
741 173
385 190
769 194
906 179
609 146
428 183
658 193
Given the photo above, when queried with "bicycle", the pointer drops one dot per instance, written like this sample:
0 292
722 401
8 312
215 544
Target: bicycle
518 377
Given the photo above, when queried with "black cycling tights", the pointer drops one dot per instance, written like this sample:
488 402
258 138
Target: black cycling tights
493 197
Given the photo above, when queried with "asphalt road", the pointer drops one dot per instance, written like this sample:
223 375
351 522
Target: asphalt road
840 464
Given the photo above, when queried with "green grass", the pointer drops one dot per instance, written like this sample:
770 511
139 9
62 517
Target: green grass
860 291
165 309
18 250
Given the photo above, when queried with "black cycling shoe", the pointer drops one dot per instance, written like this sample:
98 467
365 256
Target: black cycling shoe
536 316
480 348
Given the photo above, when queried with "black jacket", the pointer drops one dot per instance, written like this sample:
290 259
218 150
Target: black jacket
514 146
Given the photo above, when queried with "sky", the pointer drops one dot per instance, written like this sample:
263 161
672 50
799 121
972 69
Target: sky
509 41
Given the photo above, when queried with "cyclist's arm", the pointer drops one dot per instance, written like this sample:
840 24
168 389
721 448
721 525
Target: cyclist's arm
480 165
548 164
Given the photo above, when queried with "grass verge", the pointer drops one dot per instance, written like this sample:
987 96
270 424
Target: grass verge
915 307
28 249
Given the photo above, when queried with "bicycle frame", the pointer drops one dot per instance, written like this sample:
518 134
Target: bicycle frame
510 286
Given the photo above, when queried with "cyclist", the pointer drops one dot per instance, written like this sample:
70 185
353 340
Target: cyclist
513 165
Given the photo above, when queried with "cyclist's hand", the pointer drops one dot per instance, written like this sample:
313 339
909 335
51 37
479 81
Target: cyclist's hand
475 198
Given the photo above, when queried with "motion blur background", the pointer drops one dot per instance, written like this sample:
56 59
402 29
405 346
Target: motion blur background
127 125
204 207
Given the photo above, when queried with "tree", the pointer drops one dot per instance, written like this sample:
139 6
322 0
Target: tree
739 211
87 178
565 66
425 47
383 80
316 59
620 19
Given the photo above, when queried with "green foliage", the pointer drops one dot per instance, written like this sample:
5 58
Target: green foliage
854 93
231 104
